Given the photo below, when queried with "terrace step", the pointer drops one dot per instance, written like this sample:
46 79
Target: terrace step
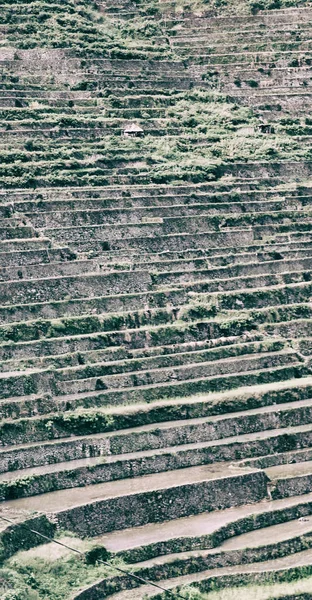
189 530
29 265
268 569
110 216
159 411
30 257
120 354
159 358
144 199
74 473
247 483
42 383
20 245
222 556
285 479
184 373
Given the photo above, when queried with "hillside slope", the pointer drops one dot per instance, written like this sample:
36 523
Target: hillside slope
155 299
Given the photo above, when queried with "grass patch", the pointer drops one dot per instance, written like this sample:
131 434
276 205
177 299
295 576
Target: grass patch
28 578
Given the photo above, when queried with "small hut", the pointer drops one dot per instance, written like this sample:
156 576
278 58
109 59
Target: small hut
133 130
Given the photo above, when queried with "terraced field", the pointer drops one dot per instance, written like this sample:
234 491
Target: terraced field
155 300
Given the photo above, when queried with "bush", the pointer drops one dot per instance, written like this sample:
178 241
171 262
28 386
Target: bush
98 553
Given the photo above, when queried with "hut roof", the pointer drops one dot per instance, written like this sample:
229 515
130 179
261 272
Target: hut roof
133 128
